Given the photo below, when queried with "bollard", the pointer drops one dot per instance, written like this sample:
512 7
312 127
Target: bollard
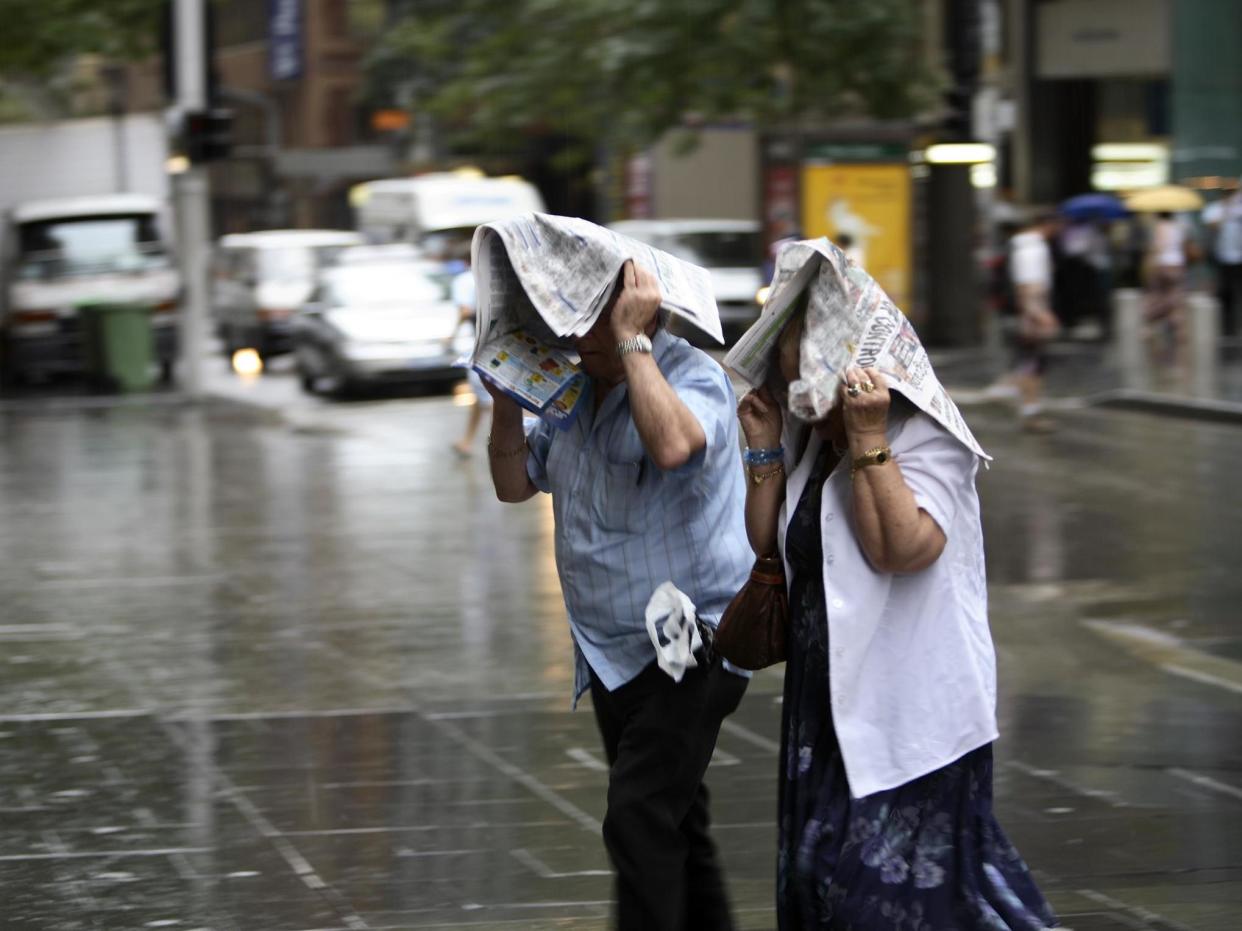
1128 341
1203 343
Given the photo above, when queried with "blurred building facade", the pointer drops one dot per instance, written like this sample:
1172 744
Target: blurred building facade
291 73
1119 94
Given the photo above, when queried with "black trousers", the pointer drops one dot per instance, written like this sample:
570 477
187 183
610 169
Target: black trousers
659 736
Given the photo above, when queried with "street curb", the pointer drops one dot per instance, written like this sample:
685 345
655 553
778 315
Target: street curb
263 412
76 403
1169 405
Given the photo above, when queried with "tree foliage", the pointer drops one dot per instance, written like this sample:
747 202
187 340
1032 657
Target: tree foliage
41 35
629 70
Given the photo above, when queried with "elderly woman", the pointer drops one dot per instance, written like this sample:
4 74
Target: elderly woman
889 708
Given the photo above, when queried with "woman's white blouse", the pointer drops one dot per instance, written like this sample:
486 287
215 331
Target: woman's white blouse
911 662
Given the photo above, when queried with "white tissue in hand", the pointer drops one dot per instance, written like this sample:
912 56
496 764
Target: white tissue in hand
674 633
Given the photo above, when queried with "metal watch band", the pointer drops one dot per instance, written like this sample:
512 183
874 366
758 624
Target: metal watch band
639 343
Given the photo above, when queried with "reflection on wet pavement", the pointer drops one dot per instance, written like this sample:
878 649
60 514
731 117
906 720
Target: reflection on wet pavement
257 678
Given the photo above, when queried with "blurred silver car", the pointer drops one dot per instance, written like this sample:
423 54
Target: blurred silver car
377 316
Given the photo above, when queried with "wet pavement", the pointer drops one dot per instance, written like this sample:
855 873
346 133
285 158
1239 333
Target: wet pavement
297 674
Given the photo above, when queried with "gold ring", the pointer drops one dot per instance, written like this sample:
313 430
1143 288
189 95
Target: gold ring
867 386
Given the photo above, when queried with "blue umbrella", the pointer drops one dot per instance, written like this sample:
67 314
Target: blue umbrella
1094 207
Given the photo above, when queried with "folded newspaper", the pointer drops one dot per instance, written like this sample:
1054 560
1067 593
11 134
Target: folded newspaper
849 321
543 280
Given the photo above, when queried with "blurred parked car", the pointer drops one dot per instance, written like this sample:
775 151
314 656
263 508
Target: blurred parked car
260 280
731 250
377 315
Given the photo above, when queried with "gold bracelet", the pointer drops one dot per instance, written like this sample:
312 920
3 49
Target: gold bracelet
759 478
494 453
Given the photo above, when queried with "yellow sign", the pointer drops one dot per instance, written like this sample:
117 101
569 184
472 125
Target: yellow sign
868 206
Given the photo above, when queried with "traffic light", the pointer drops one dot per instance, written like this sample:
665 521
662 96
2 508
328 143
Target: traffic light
957 124
207 135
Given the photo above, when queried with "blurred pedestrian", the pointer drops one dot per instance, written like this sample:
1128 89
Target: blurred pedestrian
1164 278
1085 265
1224 219
464 296
889 709
645 489
1030 265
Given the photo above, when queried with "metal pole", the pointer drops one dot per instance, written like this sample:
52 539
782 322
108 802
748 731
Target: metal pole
194 234
191 64
1203 343
192 197
1128 339
119 155
274 130
117 100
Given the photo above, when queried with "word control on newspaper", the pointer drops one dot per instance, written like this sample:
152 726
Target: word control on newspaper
543 280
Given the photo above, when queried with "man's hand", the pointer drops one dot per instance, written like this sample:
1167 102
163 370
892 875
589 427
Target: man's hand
636 304
496 393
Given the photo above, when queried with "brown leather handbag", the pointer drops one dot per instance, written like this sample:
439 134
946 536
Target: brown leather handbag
751 633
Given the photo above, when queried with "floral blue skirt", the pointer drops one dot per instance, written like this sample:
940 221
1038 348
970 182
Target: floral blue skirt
926 856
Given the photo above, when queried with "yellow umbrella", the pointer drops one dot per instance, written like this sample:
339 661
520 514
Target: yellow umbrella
1169 198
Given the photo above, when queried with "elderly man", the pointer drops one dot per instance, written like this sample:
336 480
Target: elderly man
646 488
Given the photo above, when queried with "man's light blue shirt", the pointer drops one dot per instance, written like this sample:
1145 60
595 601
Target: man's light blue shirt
623 526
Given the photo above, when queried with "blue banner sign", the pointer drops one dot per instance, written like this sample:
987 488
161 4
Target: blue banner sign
284 39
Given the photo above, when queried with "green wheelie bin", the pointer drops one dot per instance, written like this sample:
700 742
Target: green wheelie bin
117 345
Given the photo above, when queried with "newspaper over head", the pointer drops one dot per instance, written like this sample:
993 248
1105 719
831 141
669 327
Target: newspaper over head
543 280
849 321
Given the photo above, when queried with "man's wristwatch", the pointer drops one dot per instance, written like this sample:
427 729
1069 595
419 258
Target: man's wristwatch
639 343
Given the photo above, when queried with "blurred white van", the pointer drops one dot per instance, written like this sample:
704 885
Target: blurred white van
438 211
63 253
731 250
260 279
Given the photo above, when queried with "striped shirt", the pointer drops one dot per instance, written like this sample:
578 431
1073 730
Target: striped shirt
623 526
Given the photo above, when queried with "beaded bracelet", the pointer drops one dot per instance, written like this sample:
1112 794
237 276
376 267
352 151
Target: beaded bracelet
763 456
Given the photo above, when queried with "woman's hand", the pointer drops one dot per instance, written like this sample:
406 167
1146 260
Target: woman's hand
864 404
760 415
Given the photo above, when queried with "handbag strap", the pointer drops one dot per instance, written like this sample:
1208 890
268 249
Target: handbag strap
768 570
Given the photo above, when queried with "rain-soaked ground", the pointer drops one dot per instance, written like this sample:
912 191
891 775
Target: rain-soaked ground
260 677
